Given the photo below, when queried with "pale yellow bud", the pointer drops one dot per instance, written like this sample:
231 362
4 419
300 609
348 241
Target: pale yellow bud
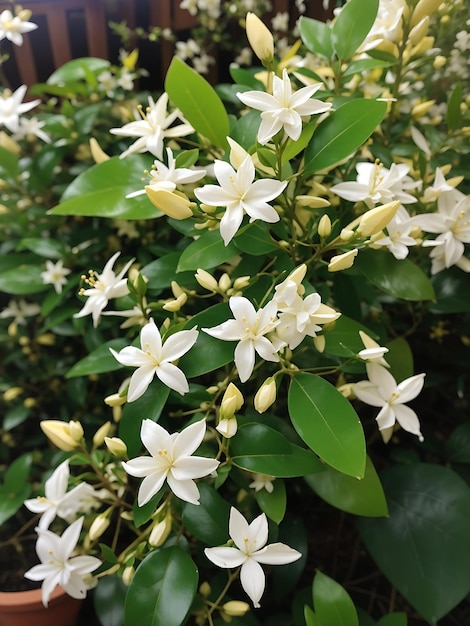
29 403
175 305
66 436
445 19
241 282
160 532
237 153
206 280
12 393
128 575
205 589
346 234
260 38
232 401
176 289
115 399
172 204
347 390
99 526
312 202
424 8
319 342
422 108
224 282
422 47
324 226
8 143
98 154
116 446
48 339
236 608
266 395
23 14
342 261
101 434
376 219
227 426
439 62
419 31
465 130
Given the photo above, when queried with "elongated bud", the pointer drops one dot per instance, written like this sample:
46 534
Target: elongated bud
376 219
237 153
232 401
422 108
172 204
206 280
66 436
128 575
324 226
260 38
424 8
419 31
98 154
116 446
266 395
342 261
101 434
12 393
160 532
312 202
115 399
98 527
319 342
227 426
235 608
175 305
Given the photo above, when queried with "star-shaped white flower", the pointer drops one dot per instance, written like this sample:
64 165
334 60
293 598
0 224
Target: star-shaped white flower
249 327
55 274
29 127
156 359
240 194
57 500
19 310
12 106
284 109
12 26
153 128
59 567
103 287
382 390
398 239
171 460
249 551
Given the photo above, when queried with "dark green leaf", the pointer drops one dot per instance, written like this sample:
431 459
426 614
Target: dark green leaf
400 358
206 252
454 111
273 504
393 619
208 521
23 280
332 603
458 444
344 339
99 361
352 25
452 289
255 240
109 598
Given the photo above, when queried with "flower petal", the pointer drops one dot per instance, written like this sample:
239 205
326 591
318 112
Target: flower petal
185 490
253 580
276 554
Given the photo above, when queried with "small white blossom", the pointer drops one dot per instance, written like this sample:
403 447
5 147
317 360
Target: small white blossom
29 127
55 274
19 310
262 481
12 26
249 551
171 460
12 107
398 238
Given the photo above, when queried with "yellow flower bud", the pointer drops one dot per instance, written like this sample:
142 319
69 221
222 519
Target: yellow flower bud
236 608
99 526
237 153
227 426
346 234
312 202
29 403
319 342
376 219
424 8
422 47
266 395
232 401
241 282
8 143
128 575
419 31
224 282
324 226
175 305
260 38
116 446
342 261
66 436
12 393
99 156
205 589
115 399
172 204
206 280
160 532
101 434
48 339
422 108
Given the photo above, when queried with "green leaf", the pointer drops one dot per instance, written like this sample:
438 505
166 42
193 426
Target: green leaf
393 619
161 272
454 112
77 69
352 25
23 280
47 248
342 133
402 279
8 163
273 504
259 448
458 444
99 361
344 339
142 514
327 423
316 36
206 252
198 102
17 473
162 590
108 599
310 617
256 240
293 148
359 497
208 521
333 605
452 289
365 65
245 129
423 546
400 358
16 487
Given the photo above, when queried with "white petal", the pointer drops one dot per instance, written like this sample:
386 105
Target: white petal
386 417
367 392
154 437
150 339
172 377
408 420
244 359
149 487
277 554
185 490
179 343
193 467
189 439
140 380
253 580
410 388
231 221
140 466
225 556
238 528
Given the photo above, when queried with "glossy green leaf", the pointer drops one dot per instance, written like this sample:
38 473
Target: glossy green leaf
327 423
344 339
142 514
161 272
208 521
359 497
352 25
342 133
332 603
458 444
206 252
402 279
310 617
8 163
393 619
162 590
198 102
316 36
452 289
99 361
16 487
423 546
454 111
259 448
17 473
273 504
293 148
23 280
246 128
47 248
365 65
256 240
108 599
400 358
77 69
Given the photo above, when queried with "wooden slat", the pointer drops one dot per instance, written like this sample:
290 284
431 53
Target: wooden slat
96 28
25 61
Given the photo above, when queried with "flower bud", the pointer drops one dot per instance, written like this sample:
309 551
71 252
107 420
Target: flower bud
422 108
324 226
98 154
175 305
116 446
172 204
205 589
419 31
12 393
312 202
206 280
8 143
128 575
66 436
237 153
232 401
227 426
342 261
101 434
265 395
224 282
99 526
260 38
48 339
319 342
160 532
424 8
236 608
346 234
422 47
376 219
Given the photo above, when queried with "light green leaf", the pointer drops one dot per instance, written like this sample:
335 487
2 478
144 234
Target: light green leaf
206 252
23 280
364 65
99 361
332 603
454 111
77 69
47 248
402 279
310 617
198 102
342 133
316 36
327 423
8 163
423 546
208 521
162 590
359 497
352 25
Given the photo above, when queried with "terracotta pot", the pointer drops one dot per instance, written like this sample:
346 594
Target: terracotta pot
25 608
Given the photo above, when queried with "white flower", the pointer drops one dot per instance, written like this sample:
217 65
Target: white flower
57 500
169 176
372 352
249 327
283 109
375 183
19 310
12 106
12 27
382 390
156 358
249 551
398 238
171 460
153 128
31 127
55 274
103 287
240 194
262 481
58 567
